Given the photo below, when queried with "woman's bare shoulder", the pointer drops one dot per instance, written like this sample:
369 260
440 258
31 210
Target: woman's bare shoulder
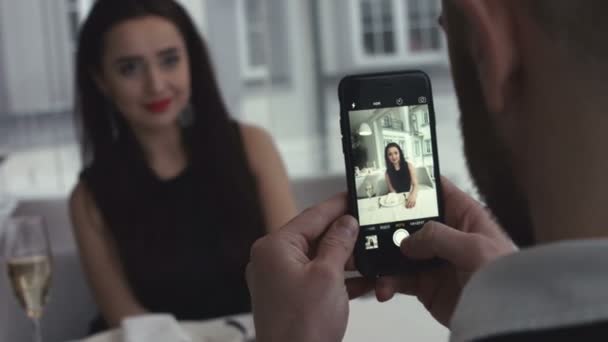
253 134
258 142
82 206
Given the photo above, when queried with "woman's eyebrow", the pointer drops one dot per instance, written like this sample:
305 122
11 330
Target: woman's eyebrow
127 59
167 51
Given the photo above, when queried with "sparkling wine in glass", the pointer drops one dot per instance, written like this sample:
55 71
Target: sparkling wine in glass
29 265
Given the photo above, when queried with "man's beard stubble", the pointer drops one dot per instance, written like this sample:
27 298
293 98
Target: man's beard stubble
488 157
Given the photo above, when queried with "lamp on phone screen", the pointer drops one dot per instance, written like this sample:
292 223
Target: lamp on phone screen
365 130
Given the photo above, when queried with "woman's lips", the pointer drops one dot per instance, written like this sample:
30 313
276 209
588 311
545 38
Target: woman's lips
158 106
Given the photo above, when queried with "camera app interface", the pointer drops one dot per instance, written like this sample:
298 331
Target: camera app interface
394 171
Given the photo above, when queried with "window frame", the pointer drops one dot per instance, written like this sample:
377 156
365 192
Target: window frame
403 55
426 119
249 71
428 147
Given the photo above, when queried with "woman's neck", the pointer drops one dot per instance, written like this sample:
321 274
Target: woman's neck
163 150
397 167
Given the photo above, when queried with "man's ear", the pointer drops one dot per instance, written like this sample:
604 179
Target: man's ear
492 37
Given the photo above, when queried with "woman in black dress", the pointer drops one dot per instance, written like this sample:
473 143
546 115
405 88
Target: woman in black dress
400 175
173 192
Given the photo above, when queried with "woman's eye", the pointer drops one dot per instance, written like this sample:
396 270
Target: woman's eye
128 69
170 61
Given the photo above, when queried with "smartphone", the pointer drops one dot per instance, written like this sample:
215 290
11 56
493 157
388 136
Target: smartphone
390 150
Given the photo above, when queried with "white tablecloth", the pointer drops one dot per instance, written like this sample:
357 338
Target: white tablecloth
218 330
371 213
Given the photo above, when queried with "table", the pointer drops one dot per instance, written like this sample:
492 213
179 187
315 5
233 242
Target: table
217 330
403 318
370 213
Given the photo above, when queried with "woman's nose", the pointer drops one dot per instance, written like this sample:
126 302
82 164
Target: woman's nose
155 82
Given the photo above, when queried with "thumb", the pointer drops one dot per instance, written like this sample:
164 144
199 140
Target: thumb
337 244
436 240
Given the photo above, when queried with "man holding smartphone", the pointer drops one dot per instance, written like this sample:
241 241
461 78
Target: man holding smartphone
530 76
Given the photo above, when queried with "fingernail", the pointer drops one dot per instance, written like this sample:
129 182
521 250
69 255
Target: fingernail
349 225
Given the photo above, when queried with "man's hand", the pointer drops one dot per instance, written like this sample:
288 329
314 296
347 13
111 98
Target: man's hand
476 241
296 276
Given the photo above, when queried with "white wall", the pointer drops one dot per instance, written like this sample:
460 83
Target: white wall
288 109
36 57
196 9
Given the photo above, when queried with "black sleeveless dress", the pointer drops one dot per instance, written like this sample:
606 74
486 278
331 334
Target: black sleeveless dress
401 180
185 252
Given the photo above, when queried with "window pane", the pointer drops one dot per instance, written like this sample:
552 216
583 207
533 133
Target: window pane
368 41
387 14
416 42
424 33
435 39
253 10
257 51
378 31
389 42
255 32
366 12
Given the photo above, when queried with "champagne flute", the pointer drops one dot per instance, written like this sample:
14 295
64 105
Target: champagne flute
28 258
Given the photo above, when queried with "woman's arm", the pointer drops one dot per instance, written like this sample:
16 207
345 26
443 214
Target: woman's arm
413 177
100 261
388 183
413 196
276 197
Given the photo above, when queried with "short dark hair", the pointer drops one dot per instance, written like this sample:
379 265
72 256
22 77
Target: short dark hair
579 27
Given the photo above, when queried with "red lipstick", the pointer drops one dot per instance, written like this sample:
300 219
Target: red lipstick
158 106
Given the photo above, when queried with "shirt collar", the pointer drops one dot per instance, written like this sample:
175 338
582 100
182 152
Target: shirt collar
555 285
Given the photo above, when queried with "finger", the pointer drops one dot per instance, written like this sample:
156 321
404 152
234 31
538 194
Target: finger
313 222
438 240
450 189
457 203
387 287
350 264
358 287
336 246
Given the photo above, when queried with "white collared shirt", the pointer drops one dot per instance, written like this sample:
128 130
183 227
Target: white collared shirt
555 285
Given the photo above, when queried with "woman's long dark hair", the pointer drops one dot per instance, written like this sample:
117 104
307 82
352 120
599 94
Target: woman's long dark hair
99 125
390 168
114 160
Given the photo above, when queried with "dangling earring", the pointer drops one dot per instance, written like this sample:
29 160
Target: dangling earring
186 117
113 122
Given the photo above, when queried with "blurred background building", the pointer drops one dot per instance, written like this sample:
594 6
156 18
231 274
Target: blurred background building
279 63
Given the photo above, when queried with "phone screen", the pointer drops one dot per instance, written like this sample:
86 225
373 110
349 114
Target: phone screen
393 167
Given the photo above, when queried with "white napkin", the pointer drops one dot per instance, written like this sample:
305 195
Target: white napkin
153 328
